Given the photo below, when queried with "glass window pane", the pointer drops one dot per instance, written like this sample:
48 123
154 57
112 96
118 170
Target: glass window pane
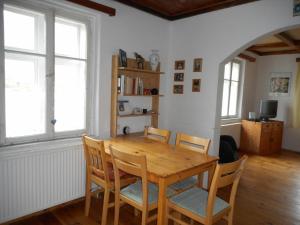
70 94
24 30
70 38
225 98
235 72
227 71
233 98
25 95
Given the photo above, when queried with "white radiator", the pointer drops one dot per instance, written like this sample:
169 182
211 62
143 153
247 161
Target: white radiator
36 177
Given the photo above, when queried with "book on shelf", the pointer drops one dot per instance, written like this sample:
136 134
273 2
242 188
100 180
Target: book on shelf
130 86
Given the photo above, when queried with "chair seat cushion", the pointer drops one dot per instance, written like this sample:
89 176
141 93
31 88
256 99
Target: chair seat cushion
135 193
195 200
185 184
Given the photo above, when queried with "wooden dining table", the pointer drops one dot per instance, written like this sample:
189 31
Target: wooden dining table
166 164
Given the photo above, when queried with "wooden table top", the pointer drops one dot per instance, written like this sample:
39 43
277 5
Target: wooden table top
163 160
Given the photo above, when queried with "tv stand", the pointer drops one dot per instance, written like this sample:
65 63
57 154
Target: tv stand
263 138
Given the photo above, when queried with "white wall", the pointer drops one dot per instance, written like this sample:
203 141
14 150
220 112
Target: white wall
279 63
216 37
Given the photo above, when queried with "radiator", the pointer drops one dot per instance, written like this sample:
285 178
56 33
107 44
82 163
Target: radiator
37 177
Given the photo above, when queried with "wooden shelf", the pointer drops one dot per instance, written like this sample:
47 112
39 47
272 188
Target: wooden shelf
150 79
141 95
136 115
139 70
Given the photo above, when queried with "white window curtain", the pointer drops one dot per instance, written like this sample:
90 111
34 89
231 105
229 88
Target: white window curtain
296 105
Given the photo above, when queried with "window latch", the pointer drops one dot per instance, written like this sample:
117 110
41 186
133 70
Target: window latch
53 121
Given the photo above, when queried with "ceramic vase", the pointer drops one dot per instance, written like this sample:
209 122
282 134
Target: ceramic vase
154 60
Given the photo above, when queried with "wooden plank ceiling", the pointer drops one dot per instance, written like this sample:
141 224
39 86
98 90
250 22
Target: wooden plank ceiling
177 9
287 42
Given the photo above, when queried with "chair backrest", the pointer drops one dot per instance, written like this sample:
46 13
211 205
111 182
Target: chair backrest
157 134
131 164
193 143
225 175
96 162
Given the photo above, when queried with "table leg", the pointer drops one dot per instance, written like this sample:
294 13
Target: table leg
161 214
211 172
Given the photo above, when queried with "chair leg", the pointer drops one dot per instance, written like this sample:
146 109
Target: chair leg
144 217
230 218
117 209
105 206
200 180
88 196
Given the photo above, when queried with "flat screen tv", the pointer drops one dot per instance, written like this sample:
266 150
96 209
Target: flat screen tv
268 109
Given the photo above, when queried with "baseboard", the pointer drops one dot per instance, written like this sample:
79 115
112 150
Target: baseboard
290 150
44 211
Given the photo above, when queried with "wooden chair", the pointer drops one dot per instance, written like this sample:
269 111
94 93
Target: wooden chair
157 134
99 172
193 143
205 207
198 144
141 195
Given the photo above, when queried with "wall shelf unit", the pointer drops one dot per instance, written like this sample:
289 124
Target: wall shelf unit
149 80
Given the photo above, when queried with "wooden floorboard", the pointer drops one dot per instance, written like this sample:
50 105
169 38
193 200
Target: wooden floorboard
269 194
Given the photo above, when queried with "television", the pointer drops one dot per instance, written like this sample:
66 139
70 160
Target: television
268 109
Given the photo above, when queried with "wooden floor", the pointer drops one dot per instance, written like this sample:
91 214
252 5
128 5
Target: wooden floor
269 194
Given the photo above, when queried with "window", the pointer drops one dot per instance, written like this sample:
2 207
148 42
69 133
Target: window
45 94
70 70
231 89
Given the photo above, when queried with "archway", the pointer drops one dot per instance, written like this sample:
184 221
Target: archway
221 73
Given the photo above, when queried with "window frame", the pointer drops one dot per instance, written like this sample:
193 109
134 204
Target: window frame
51 11
239 92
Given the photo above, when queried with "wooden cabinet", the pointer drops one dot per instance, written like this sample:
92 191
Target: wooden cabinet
149 80
261 137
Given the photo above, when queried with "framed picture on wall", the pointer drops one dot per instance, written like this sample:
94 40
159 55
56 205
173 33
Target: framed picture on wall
179 64
280 84
178 89
197 67
196 85
179 77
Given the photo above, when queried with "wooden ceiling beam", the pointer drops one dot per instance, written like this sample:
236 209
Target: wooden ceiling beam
286 39
254 52
247 57
267 45
282 52
96 6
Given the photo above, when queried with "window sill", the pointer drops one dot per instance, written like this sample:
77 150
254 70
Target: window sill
230 121
45 146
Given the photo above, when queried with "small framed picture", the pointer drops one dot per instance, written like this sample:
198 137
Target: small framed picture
178 89
197 65
280 84
196 85
122 58
178 76
179 64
